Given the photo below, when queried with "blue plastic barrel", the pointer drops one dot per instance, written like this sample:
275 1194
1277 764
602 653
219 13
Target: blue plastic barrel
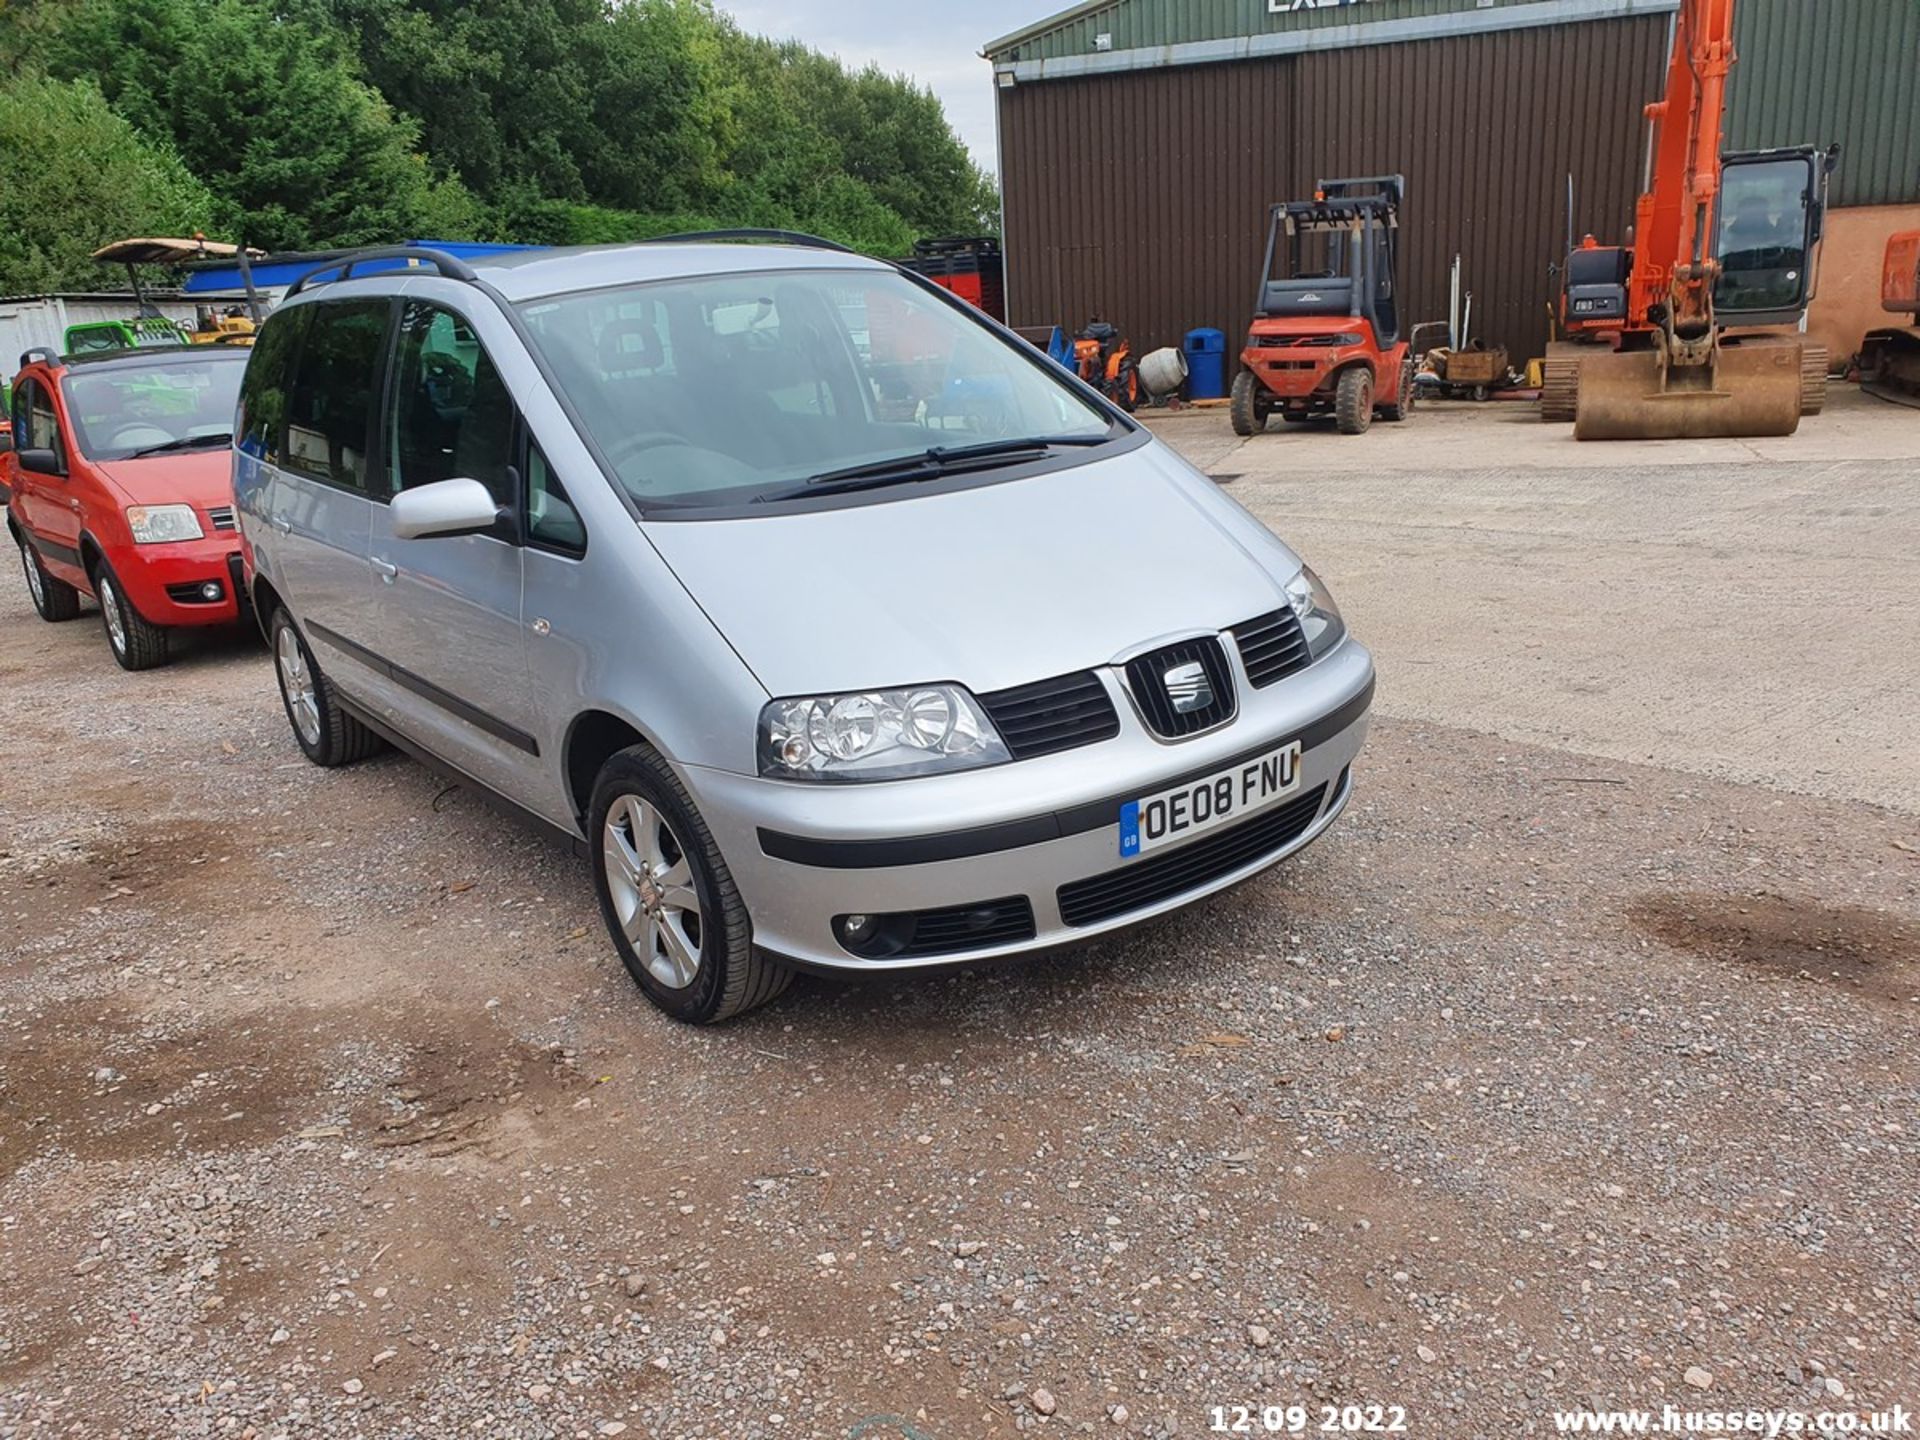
1206 364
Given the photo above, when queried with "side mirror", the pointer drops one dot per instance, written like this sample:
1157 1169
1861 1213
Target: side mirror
40 462
446 507
6 442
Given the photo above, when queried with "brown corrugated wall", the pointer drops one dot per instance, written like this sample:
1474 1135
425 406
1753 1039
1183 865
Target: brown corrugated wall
1142 197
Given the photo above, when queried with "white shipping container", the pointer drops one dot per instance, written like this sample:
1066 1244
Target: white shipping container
30 320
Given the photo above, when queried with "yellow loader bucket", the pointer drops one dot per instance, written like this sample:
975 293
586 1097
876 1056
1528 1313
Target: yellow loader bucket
1752 388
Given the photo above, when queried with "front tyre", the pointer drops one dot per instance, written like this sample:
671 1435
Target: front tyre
327 735
1245 407
53 598
668 899
1353 400
137 643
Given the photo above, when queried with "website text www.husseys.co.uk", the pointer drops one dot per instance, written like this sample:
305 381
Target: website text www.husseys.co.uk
1672 1420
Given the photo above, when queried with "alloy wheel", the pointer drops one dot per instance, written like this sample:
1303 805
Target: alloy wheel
110 608
654 896
34 587
296 680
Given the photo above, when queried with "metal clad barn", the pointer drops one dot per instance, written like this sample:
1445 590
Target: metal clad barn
1836 70
1137 168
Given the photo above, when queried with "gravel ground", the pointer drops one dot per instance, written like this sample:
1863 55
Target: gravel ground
1547 1079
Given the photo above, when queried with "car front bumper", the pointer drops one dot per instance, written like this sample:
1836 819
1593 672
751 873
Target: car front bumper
1043 831
164 581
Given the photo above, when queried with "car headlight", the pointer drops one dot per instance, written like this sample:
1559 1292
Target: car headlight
1319 617
877 735
157 524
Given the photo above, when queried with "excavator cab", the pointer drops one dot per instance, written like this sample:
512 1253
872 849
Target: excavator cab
1769 217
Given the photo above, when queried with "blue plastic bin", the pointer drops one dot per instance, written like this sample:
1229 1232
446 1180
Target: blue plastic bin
1206 364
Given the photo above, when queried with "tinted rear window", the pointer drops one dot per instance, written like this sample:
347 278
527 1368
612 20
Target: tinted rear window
263 394
331 401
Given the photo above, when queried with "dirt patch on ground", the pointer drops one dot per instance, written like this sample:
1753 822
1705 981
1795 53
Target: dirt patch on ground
1861 950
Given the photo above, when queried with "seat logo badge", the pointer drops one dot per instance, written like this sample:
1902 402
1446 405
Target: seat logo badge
1188 687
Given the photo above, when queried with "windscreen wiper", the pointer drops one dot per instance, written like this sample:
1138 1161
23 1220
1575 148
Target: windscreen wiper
185 442
926 464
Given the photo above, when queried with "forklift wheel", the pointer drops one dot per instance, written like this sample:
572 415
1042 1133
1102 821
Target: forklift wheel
1353 400
1402 405
1248 414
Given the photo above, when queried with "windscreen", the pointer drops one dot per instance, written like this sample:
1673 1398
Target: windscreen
133 410
1763 235
720 390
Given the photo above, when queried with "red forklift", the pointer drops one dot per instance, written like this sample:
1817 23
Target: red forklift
1326 336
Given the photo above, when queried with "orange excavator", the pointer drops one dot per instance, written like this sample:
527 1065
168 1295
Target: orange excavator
1890 358
1717 240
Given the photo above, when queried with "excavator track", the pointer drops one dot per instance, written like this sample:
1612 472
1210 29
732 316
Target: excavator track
1559 388
1890 366
1813 379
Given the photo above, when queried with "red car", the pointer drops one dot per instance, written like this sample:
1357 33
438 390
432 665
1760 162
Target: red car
122 489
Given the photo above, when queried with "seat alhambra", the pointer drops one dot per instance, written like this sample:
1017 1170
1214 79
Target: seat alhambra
840 628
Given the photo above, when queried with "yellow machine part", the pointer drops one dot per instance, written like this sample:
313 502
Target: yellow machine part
1752 388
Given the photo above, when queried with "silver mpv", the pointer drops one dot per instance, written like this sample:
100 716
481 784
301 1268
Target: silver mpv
842 629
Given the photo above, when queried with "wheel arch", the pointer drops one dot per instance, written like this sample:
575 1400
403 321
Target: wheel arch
266 600
594 737
1359 359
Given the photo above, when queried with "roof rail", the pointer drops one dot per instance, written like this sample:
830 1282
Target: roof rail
451 266
783 237
38 354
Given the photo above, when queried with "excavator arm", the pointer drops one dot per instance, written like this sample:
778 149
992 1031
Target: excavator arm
1674 267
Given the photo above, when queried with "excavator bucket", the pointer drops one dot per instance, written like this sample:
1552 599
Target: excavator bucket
1752 388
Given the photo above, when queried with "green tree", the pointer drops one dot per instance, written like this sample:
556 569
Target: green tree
77 177
340 122
271 114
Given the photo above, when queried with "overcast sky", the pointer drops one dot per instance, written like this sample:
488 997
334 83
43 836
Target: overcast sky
935 41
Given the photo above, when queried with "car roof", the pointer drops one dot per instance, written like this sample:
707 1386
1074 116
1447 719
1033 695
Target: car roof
529 274
150 355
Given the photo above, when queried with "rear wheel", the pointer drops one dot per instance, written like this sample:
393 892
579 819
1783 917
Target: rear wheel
137 643
327 735
1248 413
53 598
1353 401
668 899
1402 405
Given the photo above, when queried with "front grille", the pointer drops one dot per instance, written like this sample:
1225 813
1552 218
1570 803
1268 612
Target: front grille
1272 647
1048 715
222 517
917 933
1163 877
1147 677
189 593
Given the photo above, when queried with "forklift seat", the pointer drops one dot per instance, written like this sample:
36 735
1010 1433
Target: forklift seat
1332 295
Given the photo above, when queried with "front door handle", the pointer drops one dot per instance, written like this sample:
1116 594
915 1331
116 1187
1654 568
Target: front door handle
74 505
283 525
385 570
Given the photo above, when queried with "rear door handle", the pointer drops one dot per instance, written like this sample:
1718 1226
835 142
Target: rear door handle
385 570
283 525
